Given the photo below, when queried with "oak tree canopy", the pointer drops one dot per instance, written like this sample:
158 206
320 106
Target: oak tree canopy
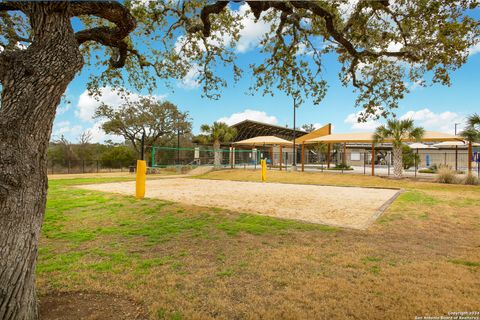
136 44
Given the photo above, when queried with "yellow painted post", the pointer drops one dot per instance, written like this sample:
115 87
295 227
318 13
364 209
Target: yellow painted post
264 169
141 179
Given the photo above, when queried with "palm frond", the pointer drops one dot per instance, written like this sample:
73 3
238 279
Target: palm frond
470 134
473 120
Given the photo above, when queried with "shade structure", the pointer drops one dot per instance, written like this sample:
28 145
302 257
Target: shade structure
264 140
367 137
356 137
320 132
449 144
418 146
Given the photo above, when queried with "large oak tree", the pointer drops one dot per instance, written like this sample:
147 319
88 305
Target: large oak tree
146 117
380 45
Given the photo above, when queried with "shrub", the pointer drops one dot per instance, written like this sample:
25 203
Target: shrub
341 166
427 171
409 158
446 175
471 179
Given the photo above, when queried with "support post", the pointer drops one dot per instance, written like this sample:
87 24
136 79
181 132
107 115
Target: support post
271 157
389 158
416 164
141 179
344 153
329 149
153 157
373 159
364 162
303 156
264 169
456 158
470 151
281 156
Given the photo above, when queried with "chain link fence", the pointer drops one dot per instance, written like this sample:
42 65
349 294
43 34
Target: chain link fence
87 166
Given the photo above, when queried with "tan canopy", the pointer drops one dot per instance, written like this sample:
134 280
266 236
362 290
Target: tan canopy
264 140
320 132
454 144
418 145
367 137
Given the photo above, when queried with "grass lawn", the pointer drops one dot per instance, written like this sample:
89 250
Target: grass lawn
422 257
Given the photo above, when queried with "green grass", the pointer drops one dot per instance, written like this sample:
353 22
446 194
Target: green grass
255 224
465 263
416 197
183 261
77 219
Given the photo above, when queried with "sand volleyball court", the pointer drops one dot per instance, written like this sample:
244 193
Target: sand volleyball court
350 207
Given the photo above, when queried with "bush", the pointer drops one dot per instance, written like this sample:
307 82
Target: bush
471 179
341 166
409 158
427 171
446 175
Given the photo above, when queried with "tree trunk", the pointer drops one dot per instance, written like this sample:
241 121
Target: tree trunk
33 84
397 162
217 157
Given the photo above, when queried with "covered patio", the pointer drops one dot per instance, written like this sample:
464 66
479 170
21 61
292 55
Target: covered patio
367 138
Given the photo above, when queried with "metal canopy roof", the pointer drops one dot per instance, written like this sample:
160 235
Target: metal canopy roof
250 129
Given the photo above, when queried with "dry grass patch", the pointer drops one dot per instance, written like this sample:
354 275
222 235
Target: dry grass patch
186 262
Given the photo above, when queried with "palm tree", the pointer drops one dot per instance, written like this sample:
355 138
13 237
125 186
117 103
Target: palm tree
397 131
217 133
471 134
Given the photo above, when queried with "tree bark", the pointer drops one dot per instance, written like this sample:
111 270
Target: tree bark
217 153
33 84
397 162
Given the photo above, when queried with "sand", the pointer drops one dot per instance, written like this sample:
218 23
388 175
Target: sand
349 207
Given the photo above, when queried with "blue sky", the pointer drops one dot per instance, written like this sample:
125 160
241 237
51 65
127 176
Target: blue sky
435 108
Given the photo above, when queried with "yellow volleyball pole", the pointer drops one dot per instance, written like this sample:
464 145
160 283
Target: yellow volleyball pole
264 170
141 179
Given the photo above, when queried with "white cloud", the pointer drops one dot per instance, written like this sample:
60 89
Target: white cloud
99 136
474 49
429 120
249 114
65 128
250 34
419 84
346 8
369 125
86 109
252 31
64 108
190 81
443 121
87 104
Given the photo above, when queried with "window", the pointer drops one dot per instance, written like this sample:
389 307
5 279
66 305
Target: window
355 156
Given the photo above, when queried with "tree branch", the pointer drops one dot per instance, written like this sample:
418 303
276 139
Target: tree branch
208 10
286 7
113 37
9 6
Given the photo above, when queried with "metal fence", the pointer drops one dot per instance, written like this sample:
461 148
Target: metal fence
87 166
360 161
344 160
203 156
